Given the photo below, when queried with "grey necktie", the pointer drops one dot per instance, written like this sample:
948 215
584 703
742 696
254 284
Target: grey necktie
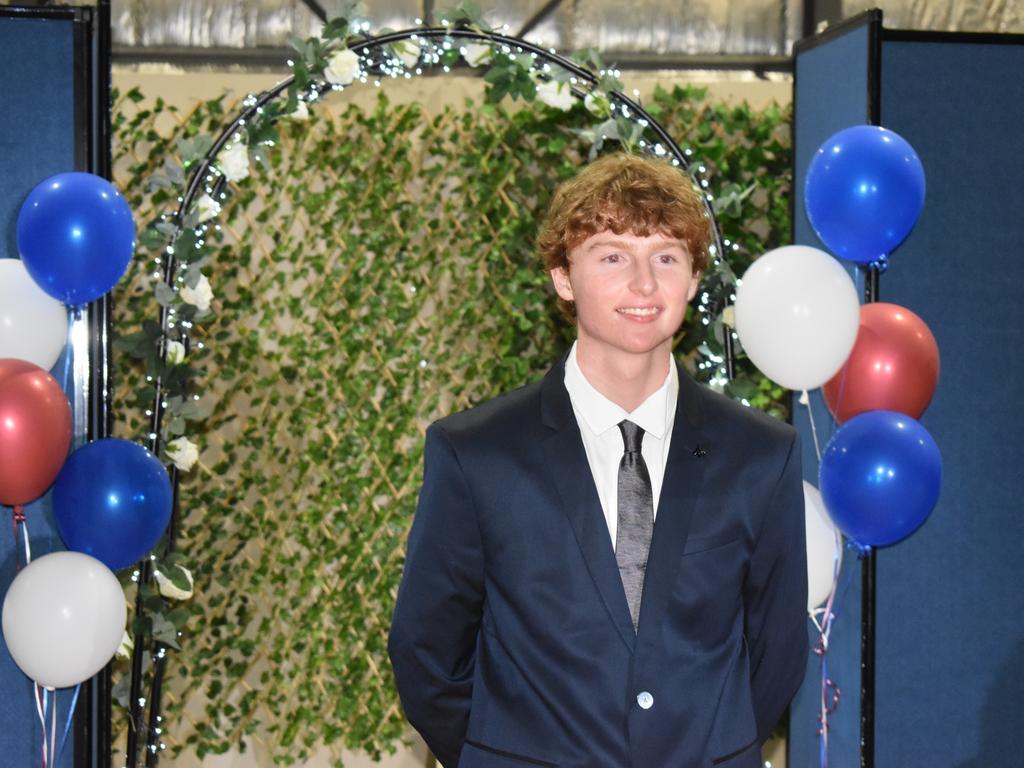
636 517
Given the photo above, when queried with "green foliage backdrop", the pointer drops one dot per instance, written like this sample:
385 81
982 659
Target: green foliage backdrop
378 276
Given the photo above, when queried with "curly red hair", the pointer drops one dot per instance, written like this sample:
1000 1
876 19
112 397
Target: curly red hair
624 193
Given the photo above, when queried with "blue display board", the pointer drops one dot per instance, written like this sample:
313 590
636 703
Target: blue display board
831 88
950 659
38 138
949 662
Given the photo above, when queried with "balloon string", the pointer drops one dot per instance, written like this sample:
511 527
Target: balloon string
18 518
72 315
821 649
827 708
67 723
823 721
824 627
40 697
53 730
805 399
28 547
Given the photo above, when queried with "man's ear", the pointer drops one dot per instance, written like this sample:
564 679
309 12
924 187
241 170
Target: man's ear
560 279
694 285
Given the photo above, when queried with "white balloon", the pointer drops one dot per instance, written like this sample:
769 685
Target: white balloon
824 545
63 618
797 315
33 324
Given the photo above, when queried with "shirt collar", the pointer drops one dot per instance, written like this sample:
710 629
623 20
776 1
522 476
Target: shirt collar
653 415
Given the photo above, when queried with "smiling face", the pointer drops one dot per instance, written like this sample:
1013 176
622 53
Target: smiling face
630 293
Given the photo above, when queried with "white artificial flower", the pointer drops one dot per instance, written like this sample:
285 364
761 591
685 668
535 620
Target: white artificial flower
476 54
169 589
207 208
301 112
200 296
234 161
729 316
408 52
556 95
598 104
182 452
342 67
124 650
175 352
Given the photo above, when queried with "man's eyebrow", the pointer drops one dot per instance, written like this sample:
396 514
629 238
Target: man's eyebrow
616 243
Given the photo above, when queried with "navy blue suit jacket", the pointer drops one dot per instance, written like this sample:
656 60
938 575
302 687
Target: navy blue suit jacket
512 642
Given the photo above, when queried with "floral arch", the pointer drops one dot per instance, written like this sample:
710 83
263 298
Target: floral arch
184 247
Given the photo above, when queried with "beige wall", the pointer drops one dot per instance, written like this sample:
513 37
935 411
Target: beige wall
181 88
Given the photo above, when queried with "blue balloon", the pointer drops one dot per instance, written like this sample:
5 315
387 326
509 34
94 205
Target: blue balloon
112 500
880 477
76 235
864 191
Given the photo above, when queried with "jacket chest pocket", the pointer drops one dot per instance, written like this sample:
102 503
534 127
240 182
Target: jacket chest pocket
707 596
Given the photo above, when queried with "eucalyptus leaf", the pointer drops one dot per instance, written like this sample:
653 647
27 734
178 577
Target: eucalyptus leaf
121 690
174 172
166 228
164 631
165 295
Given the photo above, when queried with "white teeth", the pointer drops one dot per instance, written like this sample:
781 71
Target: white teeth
641 312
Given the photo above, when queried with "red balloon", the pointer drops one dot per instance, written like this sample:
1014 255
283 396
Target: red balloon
35 431
894 365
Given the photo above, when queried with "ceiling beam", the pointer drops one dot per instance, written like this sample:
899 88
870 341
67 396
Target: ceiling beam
274 59
316 9
542 13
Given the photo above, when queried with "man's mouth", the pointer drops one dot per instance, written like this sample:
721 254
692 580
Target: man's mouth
639 311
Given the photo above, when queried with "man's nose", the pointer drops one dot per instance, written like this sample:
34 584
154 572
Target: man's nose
642 279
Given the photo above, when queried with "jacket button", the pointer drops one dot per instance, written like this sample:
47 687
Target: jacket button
645 700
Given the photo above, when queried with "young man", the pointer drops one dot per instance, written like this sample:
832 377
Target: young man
607 567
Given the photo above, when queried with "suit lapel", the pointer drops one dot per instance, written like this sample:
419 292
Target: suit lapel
680 489
567 468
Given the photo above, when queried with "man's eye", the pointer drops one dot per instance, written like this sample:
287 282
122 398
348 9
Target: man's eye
613 258
667 258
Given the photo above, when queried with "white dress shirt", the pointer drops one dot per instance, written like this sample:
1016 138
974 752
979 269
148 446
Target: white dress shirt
598 419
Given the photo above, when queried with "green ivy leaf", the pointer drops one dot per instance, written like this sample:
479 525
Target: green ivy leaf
178 578
741 389
185 243
152 238
337 28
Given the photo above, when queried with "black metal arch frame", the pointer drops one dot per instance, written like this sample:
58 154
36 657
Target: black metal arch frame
204 178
